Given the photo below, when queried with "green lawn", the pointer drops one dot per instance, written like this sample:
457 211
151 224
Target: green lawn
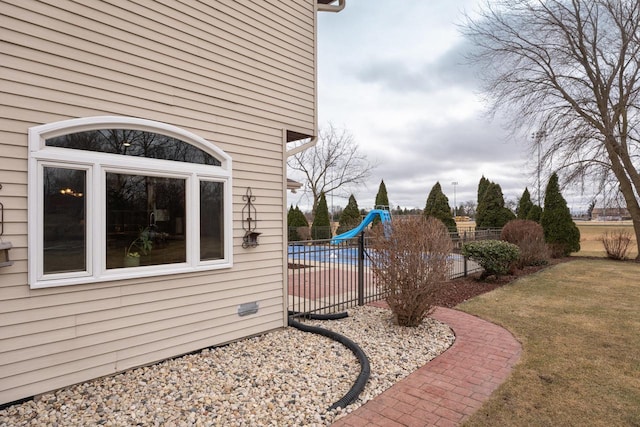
579 324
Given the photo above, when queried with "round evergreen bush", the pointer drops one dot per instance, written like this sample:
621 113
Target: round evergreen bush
494 256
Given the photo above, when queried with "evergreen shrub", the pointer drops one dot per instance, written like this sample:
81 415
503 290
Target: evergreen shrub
297 225
534 213
524 205
350 216
321 227
494 256
491 212
382 201
437 206
560 232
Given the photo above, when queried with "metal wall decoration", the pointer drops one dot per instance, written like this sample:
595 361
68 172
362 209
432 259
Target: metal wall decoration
249 220
5 261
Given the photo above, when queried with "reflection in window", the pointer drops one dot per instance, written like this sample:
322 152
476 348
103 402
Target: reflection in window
137 177
130 142
64 239
145 220
211 220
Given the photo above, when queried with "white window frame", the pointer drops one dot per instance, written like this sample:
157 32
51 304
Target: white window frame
96 165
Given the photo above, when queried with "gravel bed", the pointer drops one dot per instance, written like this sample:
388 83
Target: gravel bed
284 378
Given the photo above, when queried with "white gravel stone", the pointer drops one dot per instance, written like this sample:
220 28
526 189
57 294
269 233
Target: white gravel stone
283 378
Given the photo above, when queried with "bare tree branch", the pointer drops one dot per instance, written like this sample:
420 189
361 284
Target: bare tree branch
334 163
570 68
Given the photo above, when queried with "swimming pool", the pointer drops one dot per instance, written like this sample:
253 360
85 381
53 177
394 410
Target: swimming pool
333 254
337 254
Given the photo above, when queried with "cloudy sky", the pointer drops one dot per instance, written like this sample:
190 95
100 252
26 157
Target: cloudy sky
393 75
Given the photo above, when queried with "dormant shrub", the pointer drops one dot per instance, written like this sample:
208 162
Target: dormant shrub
411 262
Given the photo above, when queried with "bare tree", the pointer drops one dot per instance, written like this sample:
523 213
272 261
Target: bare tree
333 163
470 208
571 69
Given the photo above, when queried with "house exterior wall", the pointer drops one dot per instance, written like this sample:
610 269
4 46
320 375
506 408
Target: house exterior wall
238 74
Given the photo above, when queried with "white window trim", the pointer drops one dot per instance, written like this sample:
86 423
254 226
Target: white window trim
97 165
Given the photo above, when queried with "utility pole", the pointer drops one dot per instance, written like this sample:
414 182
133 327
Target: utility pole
455 203
538 136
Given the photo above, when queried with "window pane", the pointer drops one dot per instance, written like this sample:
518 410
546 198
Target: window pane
138 143
145 220
211 220
64 235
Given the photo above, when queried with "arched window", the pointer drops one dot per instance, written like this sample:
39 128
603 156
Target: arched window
117 197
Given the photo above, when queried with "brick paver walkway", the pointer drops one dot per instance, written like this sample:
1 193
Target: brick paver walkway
452 386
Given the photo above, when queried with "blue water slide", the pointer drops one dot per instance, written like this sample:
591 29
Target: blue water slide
382 213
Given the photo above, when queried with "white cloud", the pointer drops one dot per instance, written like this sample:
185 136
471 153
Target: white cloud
393 74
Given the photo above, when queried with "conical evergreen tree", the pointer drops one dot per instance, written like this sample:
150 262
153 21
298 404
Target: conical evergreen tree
321 227
534 213
350 216
560 232
292 231
437 206
301 218
482 187
524 205
491 210
295 220
480 207
290 214
382 200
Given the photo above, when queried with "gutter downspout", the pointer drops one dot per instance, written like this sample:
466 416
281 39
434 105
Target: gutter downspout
332 8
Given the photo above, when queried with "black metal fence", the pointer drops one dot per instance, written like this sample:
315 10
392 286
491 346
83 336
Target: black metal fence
327 278
470 234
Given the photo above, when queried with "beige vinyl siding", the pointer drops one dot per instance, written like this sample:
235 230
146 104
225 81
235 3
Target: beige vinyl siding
158 59
13 178
235 73
143 318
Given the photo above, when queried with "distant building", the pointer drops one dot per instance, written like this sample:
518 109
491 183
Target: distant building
610 214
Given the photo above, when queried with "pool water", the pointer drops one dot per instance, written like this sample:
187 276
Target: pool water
332 254
325 254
